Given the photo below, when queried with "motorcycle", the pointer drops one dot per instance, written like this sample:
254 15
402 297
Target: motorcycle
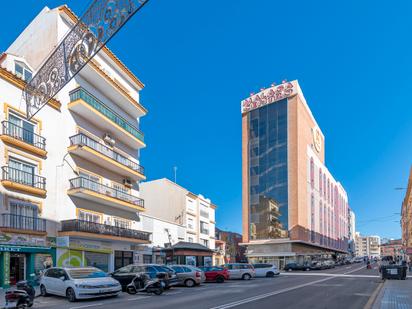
142 283
21 297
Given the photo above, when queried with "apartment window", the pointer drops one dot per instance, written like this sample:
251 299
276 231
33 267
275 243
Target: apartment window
320 182
204 213
21 172
312 218
190 223
123 192
20 208
91 181
205 242
85 215
122 223
22 71
312 173
190 239
21 129
321 222
204 228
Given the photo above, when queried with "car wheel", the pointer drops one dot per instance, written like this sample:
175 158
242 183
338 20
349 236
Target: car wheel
246 277
131 290
270 274
220 279
307 268
158 292
190 283
71 295
289 269
43 291
21 306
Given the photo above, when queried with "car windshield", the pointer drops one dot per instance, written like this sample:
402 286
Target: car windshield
86 273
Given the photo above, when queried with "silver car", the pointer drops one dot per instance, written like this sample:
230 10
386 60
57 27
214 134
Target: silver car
242 271
189 275
78 283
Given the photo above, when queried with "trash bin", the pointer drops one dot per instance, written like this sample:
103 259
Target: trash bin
393 272
404 272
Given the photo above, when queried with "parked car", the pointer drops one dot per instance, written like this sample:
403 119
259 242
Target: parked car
317 265
265 270
296 266
188 275
216 274
329 264
126 274
78 283
242 271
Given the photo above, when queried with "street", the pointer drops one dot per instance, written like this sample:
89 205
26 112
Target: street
342 287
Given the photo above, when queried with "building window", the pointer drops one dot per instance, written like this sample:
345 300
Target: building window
312 173
328 191
21 172
312 218
22 71
122 223
320 182
321 222
204 228
85 215
190 239
21 129
190 224
324 186
205 242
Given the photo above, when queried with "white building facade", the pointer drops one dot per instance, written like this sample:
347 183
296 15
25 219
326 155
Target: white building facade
167 200
367 246
71 174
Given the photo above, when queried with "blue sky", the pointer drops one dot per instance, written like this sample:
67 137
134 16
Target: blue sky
198 59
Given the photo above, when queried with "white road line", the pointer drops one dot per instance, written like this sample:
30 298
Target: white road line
86 306
262 296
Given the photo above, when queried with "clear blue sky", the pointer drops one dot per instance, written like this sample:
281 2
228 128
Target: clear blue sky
198 59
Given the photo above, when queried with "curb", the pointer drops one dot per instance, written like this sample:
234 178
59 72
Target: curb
374 295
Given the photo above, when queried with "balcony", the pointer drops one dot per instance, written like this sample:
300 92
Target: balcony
96 230
17 223
93 191
103 117
18 180
22 138
90 149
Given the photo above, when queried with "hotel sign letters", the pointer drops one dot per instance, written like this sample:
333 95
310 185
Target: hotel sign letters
268 96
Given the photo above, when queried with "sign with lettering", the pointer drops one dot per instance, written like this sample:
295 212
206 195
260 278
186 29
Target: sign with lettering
268 96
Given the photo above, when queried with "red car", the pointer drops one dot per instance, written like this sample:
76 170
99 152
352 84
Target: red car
215 274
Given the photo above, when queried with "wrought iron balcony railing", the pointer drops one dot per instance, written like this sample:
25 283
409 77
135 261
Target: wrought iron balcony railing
76 225
84 183
80 93
23 134
23 223
24 178
84 140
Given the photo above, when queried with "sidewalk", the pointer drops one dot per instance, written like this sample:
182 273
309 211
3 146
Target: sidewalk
395 294
3 292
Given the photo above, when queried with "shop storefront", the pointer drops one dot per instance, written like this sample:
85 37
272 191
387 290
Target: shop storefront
23 257
189 254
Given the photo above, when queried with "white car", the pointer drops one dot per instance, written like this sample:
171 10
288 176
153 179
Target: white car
266 270
78 283
242 271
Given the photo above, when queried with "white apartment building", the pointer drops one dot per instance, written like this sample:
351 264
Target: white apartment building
367 245
167 200
351 231
69 187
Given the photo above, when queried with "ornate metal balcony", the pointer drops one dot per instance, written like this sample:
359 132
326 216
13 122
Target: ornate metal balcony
76 225
18 222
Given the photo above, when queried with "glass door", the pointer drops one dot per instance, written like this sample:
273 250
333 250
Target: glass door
21 129
21 172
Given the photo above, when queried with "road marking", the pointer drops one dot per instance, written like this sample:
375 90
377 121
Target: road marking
363 294
86 306
139 297
262 296
335 275
328 285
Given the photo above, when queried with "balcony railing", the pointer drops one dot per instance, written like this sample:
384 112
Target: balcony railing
23 223
84 140
84 183
80 93
24 178
105 229
23 134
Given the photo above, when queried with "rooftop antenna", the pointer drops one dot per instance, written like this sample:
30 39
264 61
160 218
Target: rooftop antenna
175 172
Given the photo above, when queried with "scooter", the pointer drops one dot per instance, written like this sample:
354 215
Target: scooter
21 297
142 283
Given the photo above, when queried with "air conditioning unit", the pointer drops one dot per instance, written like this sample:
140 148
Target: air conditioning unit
109 140
127 183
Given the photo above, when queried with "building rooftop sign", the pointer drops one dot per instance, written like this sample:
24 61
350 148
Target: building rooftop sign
268 96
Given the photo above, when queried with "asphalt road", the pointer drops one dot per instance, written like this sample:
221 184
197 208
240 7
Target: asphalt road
341 287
